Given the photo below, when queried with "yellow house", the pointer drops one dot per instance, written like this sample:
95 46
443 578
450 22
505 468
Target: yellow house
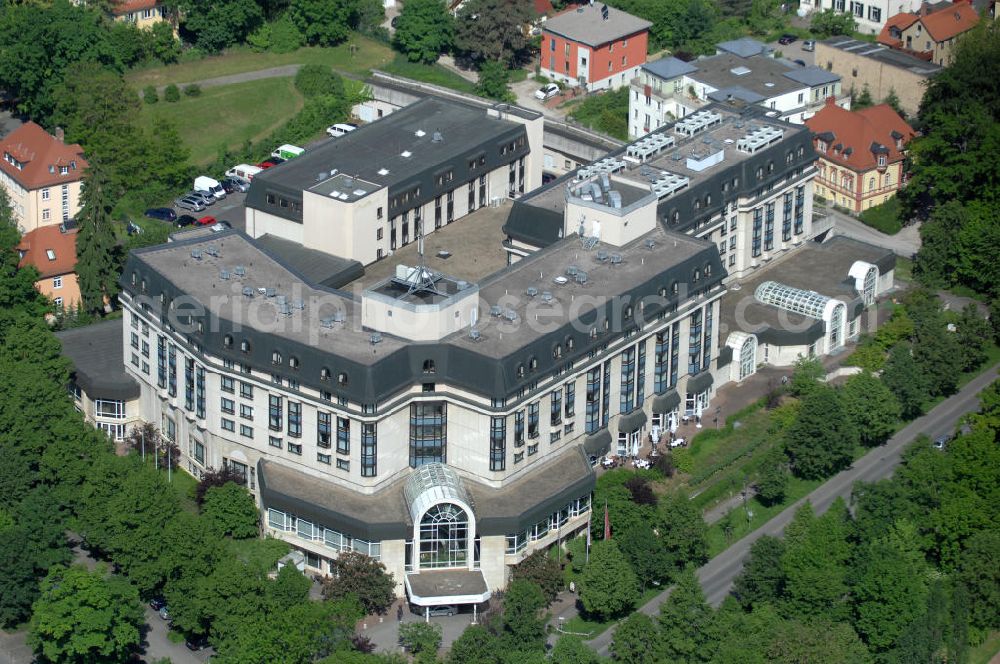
930 35
861 154
143 13
42 176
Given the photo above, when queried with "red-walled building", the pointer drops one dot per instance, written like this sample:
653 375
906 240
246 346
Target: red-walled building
594 46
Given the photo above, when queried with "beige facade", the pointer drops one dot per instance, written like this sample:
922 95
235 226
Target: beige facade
858 191
881 77
44 206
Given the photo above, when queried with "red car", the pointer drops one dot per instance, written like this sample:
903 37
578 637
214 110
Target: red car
207 220
266 164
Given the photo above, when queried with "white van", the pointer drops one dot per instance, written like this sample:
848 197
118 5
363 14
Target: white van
287 152
244 172
209 186
340 129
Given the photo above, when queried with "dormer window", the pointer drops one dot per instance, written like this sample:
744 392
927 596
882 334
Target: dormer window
275 357
293 362
533 363
429 367
557 351
342 378
227 341
245 346
881 160
520 371
64 170
821 146
324 374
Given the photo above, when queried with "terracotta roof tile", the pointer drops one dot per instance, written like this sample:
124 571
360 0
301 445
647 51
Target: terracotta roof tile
900 22
951 21
125 6
861 134
543 7
41 156
37 245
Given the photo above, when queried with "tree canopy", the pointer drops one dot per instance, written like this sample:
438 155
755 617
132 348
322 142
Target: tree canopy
425 30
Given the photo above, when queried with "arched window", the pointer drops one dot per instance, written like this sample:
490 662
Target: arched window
570 343
324 374
748 357
696 276
593 333
871 184
275 357
342 378
871 281
429 367
628 311
293 362
837 327
227 341
674 288
533 363
708 269
557 351
444 537
245 346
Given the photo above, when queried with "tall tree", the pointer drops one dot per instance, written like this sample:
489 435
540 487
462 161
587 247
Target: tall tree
96 246
807 376
231 511
637 640
543 570
772 479
979 572
425 30
85 617
363 576
871 407
214 25
903 377
821 440
522 620
687 631
828 23
492 83
494 31
17 286
608 586
973 336
814 563
762 579
889 593
324 22
682 530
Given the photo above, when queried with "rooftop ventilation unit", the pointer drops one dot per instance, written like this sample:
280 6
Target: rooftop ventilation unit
669 184
572 270
616 259
759 138
437 137
298 304
547 296
339 316
615 199
405 154
739 71
224 275
270 292
474 334
696 122
510 315
320 176
602 255
605 182
248 292
196 254
532 291
375 338
383 171
327 322
461 284
649 244
495 310
650 146
240 271
280 299
420 133
211 250
581 277
359 192
284 309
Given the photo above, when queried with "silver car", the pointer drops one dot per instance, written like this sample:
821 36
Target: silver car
205 198
190 203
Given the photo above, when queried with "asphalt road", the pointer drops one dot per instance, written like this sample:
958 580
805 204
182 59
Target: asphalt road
905 243
718 574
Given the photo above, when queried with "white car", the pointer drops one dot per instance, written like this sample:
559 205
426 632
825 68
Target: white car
340 129
547 91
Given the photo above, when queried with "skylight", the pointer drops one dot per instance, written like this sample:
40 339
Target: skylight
51 255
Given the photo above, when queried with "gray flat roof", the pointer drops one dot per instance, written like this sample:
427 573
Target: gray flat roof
317 266
669 67
585 24
429 584
98 357
373 148
889 56
766 75
820 267
744 47
812 76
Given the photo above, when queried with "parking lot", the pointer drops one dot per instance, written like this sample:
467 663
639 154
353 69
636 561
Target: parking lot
794 51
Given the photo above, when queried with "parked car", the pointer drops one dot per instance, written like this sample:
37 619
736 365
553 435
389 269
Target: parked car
785 40
809 45
941 441
440 610
163 214
288 151
340 129
244 172
547 91
221 226
157 603
235 184
164 612
207 220
185 220
264 165
209 186
190 203
801 63
206 199
196 643
394 22
276 160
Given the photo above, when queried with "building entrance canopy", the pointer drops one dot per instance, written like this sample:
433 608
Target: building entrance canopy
451 586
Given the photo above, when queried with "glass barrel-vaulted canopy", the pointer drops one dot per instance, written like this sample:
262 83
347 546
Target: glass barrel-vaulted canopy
444 522
796 300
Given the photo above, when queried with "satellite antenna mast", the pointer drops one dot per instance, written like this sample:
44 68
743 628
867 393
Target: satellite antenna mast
424 280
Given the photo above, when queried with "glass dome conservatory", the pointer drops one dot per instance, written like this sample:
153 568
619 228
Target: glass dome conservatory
809 304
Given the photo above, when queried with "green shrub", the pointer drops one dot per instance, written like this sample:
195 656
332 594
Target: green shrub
171 93
149 95
606 112
192 54
316 80
192 90
885 217
683 461
285 36
541 80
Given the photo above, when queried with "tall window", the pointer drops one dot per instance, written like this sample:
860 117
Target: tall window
640 380
675 345
786 217
188 383
758 223
323 430
295 419
593 399
555 409
606 395
343 435
444 537
800 203
428 433
748 357
570 399
199 391
369 449
694 343
661 361
172 370
707 346
628 380
769 228
498 443
519 428
533 419
274 414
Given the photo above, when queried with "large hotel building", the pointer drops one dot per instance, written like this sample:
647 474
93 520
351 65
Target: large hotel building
442 412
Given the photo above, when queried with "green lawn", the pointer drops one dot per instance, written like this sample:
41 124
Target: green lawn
985 651
434 74
593 627
356 56
228 115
